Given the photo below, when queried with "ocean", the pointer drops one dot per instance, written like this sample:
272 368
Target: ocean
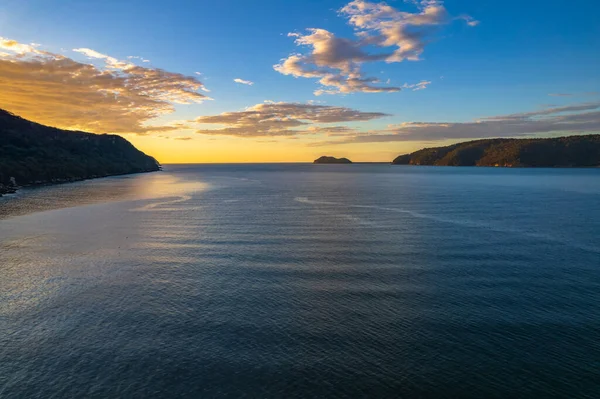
300 281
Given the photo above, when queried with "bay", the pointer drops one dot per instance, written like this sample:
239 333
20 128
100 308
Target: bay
298 280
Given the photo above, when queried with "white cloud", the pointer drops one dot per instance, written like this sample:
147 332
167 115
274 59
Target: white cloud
422 85
18 48
136 57
242 81
336 62
111 62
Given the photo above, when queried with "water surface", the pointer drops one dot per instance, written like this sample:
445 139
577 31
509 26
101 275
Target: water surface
304 281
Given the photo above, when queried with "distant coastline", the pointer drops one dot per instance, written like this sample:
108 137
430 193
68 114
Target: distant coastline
33 154
564 152
582 151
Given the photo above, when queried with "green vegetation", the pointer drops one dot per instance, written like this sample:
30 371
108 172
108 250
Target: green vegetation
326 159
31 153
572 151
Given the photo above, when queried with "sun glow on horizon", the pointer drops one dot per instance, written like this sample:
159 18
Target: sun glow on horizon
366 80
229 150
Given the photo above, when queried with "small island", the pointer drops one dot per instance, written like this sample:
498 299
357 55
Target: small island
33 154
565 152
328 160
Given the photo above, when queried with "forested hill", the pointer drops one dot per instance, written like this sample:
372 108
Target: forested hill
31 153
571 151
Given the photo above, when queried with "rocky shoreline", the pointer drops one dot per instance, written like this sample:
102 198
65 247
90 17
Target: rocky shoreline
13 187
7 189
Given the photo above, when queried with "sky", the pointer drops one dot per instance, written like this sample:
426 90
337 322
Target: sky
288 81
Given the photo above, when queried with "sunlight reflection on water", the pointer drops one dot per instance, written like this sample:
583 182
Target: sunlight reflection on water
303 281
111 189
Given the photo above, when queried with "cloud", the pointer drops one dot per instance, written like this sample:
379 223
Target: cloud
242 81
337 62
544 112
332 131
110 61
136 57
422 85
183 138
587 93
469 20
567 119
114 96
283 119
18 48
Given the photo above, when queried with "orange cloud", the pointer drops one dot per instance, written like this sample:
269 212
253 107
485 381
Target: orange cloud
116 97
284 119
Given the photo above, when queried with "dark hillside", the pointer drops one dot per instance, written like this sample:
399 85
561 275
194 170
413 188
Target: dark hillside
31 153
571 151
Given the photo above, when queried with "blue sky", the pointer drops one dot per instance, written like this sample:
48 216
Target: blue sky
510 60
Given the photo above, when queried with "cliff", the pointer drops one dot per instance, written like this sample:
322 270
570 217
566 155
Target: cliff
31 153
